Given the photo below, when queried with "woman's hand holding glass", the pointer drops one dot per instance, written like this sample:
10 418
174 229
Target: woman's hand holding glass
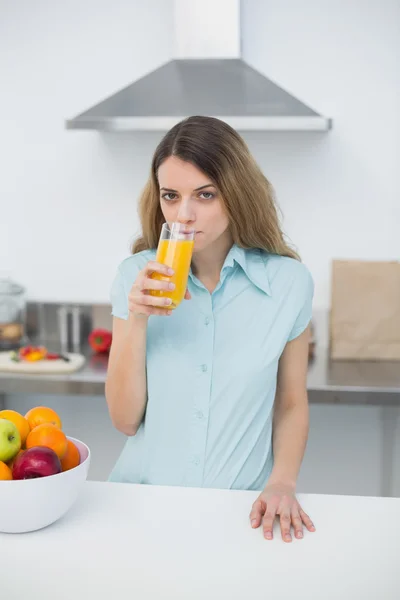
141 301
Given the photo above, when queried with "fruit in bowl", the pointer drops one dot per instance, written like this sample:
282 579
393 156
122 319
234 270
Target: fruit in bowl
49 436
40 481
36 462
5 472
10 440
19 421
39 437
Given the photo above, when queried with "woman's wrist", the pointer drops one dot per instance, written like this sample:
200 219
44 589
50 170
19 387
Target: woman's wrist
136 319
282 479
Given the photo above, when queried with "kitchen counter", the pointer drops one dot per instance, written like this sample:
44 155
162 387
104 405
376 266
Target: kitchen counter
378 382
153 542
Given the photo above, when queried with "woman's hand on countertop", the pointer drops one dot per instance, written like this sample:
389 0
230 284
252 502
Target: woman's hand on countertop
279 500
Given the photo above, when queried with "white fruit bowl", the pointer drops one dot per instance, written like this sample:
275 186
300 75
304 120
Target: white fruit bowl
31 504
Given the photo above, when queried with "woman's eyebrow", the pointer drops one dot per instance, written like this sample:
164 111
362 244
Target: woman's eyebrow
196 190
204 186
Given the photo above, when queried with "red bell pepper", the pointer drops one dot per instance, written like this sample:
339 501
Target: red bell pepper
100 340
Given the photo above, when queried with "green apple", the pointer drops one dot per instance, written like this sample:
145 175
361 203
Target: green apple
10 440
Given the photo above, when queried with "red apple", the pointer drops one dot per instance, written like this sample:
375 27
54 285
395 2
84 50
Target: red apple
38 461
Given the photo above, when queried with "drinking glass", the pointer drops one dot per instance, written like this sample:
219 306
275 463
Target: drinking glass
175 248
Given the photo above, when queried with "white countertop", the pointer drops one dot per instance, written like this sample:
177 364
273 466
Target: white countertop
149 542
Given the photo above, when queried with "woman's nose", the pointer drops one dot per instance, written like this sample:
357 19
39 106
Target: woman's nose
186 214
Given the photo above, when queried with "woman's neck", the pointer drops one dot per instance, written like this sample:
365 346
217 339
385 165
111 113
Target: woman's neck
207 263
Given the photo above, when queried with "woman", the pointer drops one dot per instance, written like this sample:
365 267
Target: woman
213 394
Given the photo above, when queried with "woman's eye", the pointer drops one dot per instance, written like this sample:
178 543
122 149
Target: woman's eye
207 195
169 196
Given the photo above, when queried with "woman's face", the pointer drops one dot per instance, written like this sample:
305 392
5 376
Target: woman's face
188 196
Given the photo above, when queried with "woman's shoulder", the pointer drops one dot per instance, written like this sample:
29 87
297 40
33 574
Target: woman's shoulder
136 262
286 269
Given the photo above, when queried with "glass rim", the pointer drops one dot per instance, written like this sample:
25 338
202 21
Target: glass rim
176 226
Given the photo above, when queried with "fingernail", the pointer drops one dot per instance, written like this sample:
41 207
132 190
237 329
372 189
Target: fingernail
299 534
288 537
253 522
171 286
169 312
167 301
268 535
170 271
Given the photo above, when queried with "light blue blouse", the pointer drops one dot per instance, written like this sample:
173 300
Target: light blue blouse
212 373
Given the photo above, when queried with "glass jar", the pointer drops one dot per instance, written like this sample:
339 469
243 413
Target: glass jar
12 314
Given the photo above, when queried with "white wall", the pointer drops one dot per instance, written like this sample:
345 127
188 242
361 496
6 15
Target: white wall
339 193
68 198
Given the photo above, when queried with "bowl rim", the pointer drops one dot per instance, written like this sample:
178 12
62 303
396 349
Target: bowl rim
38 479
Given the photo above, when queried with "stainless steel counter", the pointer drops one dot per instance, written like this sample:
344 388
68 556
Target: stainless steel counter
328 381
353 376
376 383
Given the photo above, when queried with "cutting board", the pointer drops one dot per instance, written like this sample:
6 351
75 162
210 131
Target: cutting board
49 367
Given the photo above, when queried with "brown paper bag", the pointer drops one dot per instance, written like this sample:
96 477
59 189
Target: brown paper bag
365 310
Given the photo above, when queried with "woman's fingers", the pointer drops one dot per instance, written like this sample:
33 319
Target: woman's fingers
155 284
155 267
269 518
285 521
285 506
141 298
257 512
297 523
306 520
145 303
150 300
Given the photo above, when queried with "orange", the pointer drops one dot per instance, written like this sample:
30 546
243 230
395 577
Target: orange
50 436
12 461
71 458
42 414
19 421
5 472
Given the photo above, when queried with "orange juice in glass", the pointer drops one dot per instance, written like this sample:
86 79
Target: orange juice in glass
175 248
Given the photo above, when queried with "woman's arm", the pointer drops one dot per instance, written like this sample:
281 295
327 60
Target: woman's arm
291 413
126 386
289 438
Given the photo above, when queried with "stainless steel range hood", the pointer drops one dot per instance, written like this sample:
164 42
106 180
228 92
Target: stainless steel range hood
223 85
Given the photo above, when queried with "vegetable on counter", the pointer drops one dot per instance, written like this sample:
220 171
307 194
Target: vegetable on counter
32 353
35 353
100 340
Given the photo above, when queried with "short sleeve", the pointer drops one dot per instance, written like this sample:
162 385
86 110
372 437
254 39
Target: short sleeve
119 297
305 295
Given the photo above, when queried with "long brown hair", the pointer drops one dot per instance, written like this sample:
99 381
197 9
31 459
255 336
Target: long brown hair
222 154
